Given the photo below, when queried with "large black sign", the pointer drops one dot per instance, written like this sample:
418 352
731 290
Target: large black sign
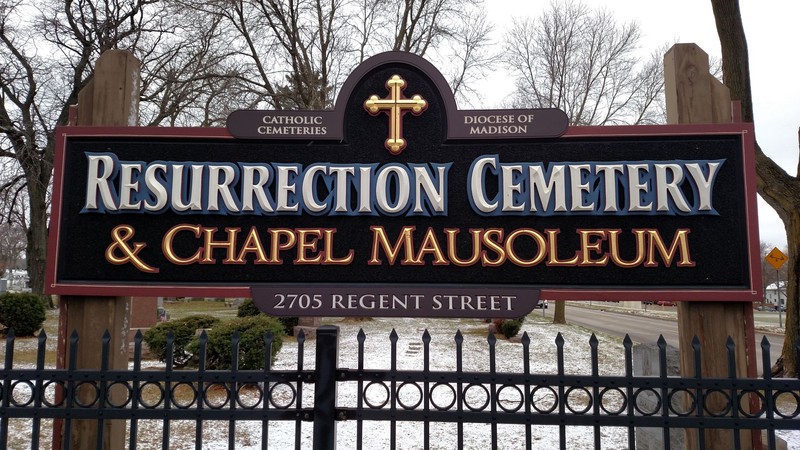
397 188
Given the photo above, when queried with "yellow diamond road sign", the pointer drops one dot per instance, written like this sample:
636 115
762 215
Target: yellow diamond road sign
776 258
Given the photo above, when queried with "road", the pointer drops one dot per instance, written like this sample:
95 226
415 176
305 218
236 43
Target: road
644 329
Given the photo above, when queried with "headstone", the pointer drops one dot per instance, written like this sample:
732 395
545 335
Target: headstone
646 364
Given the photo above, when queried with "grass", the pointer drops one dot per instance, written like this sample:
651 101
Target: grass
216 308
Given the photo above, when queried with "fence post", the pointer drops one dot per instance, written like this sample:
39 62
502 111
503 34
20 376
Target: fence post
325 387
110 99
693 95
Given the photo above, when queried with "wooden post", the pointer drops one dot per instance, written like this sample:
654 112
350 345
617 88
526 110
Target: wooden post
695 96
110 99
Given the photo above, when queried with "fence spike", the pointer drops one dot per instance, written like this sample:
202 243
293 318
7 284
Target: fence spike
41 349
267 351
526 340
73 350
662 343
696 344
492 339
426 337
731 347
106 349
459 338
393 337
235 350
593 342
9 348
170 350
361 336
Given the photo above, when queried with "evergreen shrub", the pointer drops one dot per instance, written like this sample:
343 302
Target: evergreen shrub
247 309
251 342
183 331
22 312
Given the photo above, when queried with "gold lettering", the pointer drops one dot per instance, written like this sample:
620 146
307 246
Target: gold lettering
431 245
613 243
328 246
452 245
588 246
493 245
169 252
552 239
679 243
541 247
380 240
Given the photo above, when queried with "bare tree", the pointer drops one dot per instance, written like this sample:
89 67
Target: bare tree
46 57
296 54
190 77
288 54
12 246
471 53
582 61
777 187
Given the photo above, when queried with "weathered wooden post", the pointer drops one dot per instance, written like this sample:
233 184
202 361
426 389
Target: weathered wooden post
110 99
695 96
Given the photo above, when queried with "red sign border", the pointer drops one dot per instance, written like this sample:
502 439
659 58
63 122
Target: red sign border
745 130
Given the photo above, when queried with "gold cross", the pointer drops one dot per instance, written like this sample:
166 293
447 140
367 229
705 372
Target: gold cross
395 105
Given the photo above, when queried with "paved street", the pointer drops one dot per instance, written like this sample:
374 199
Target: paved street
644 329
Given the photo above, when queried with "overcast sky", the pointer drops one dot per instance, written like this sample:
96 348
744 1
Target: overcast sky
773 38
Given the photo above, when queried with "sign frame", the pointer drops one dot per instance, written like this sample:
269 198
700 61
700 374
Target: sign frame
64 134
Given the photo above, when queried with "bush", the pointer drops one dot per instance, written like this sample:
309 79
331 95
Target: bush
508 327
511 327
288 324
251 342
183 330
248 309
22 312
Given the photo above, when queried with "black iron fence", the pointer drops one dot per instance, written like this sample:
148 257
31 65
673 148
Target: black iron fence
310 400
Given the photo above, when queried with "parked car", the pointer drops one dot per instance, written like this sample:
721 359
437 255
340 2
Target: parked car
666 303
542 304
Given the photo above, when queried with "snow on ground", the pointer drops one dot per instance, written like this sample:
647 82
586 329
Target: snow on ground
443 357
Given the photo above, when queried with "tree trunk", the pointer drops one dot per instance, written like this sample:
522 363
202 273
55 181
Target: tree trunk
779 189
37 172
560 312
787 364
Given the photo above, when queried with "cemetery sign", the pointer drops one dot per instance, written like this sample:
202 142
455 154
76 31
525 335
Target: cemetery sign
396 202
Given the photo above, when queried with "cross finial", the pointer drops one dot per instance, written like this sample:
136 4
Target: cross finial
395 106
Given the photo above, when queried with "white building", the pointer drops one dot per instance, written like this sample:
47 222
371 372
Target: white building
16 281
772 292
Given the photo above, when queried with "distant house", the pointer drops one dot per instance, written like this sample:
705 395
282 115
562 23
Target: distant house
771 294
17 280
